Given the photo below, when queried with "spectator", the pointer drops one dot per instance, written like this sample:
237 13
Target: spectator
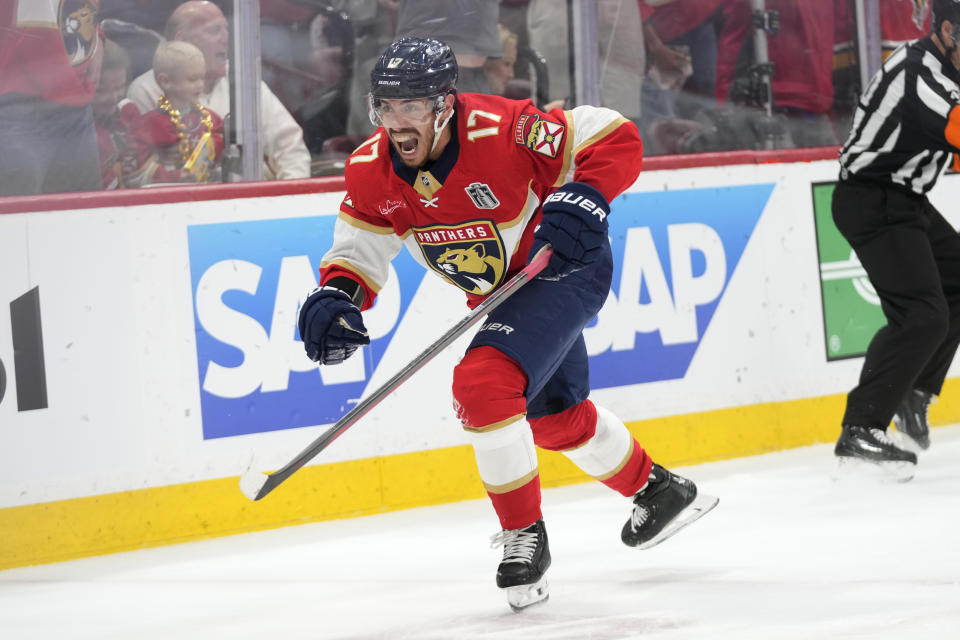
50 56
325 103
671 27
690 43
802 87
203 24
502 74
181 140
802 83
285 50
513 16
621 53
114 117
802 54
469 27
150 14
374 23
499 71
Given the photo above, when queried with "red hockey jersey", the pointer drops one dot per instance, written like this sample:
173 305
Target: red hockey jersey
50 49
156 144
469 217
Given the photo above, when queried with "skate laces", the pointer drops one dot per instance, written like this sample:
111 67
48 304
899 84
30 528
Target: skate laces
518 544
881 436
640 515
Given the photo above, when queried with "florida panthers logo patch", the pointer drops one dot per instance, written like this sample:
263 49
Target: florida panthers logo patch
539 135
469 255
78 26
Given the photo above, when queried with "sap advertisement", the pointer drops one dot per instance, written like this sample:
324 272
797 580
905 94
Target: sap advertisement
675 253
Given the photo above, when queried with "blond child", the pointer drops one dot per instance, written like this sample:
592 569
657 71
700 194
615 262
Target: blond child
181 140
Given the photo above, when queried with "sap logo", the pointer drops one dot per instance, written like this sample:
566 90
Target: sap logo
249 280
29 370
269 353
669 307
674 253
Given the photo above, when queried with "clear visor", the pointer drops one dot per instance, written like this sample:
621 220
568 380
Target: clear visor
390 112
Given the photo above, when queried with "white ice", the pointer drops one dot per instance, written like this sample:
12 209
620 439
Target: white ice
788 554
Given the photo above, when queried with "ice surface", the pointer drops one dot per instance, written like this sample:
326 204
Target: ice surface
788 554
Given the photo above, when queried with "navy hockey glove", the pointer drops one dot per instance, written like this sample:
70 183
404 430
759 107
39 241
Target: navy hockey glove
575 224
331 326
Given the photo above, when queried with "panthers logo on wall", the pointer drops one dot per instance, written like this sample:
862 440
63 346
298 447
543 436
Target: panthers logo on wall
469 255
78 26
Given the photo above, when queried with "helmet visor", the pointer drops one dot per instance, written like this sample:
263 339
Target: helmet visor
396 113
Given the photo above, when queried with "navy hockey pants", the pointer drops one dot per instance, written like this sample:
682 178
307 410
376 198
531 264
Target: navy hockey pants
541 327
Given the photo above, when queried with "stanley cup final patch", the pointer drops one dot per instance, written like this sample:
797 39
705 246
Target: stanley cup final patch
482 196
470 255
537 134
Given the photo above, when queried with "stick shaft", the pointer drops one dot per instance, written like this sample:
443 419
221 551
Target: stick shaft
364 406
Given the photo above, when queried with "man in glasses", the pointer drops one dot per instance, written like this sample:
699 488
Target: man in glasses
474 185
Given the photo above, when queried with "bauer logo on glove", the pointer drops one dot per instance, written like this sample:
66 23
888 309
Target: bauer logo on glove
576 199
575 224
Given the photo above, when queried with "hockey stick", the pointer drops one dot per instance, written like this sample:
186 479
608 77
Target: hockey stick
255 484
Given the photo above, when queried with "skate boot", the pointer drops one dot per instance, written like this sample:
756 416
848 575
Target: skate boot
911 419
873 446
667 504
526 557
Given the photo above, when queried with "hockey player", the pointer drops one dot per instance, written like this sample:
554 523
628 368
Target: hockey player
906 131
473 185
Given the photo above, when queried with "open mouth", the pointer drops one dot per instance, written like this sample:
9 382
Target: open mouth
407 143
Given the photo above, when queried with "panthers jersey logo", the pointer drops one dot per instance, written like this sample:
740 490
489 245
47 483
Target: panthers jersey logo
78 26
469 255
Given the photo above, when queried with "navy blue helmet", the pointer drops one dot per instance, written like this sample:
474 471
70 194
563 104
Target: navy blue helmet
414 68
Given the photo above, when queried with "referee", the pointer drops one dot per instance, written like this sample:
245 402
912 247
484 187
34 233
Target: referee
904 135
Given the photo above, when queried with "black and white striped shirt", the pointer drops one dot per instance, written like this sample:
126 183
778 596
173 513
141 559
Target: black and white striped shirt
903 129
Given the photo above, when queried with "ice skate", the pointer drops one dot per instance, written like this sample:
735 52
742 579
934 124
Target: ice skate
667 504
870 449
526 558
911 420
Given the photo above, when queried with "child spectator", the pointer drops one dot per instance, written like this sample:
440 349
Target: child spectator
180 140
114 116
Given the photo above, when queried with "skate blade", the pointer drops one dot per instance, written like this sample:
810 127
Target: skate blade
526 595
700 507
849 468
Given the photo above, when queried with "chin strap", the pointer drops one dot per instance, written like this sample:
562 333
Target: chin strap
437 128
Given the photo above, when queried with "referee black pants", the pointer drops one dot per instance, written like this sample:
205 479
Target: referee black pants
912 256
